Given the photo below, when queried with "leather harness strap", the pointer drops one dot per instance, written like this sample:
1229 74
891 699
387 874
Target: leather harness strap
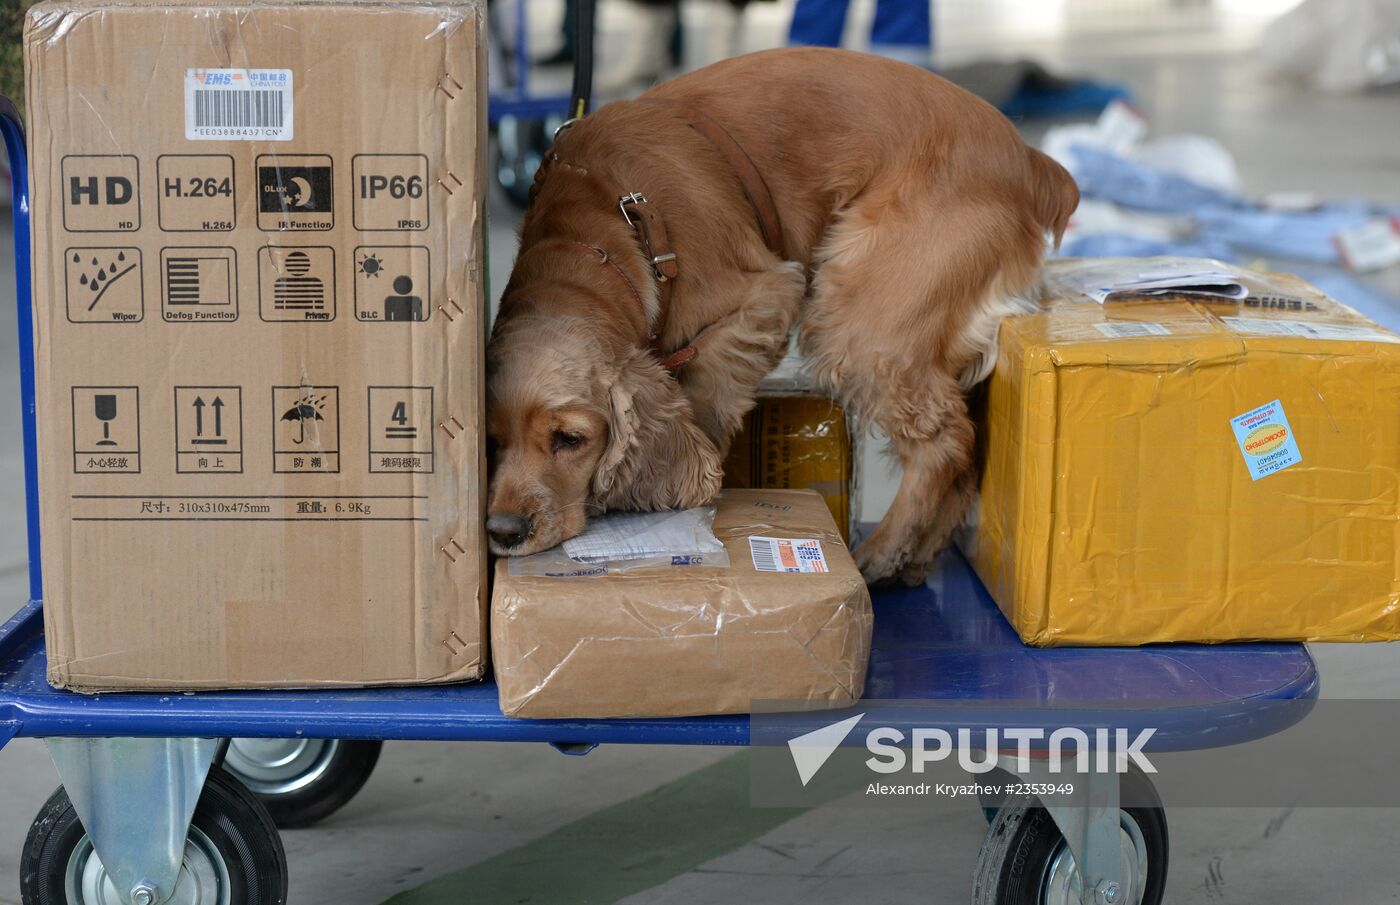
670 362
770 225
651 232
606 261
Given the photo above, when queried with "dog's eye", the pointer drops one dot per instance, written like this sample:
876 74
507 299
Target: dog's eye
566 440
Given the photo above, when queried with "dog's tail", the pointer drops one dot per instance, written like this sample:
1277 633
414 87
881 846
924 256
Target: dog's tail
1056 196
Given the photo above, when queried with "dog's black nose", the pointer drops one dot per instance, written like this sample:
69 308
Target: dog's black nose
507 528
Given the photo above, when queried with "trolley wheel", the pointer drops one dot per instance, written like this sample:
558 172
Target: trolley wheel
520 148
301 781
233 855
1025 861
991 802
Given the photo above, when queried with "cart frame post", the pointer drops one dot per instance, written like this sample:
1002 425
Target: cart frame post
12 132
1088 819
135 798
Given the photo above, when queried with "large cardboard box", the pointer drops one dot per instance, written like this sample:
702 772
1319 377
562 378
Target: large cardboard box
685 640
1186 470
259 307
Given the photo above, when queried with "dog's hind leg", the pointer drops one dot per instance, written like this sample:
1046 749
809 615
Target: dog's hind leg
948 516
735 353
932 436
904 298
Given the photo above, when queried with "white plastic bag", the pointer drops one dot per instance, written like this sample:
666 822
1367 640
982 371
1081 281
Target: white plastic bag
1337 45
622 541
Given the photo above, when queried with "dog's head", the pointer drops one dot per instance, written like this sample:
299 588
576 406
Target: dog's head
578 424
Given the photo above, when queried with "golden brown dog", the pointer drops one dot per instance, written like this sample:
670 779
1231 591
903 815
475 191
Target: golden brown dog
912 215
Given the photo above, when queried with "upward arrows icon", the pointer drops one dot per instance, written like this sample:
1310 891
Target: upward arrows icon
218 438
812 750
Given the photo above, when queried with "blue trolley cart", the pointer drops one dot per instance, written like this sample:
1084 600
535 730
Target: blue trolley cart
145 816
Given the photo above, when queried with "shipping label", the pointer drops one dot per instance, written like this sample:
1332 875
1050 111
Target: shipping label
1266 440
1308 330
1131 329
238 104
787 554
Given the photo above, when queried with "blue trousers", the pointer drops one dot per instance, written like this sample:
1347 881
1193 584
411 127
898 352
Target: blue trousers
898 23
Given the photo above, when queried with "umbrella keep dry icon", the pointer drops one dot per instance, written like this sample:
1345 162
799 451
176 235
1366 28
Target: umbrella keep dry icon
307 408
305 429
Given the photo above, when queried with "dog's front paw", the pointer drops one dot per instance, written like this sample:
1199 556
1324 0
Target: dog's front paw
914 574
880 561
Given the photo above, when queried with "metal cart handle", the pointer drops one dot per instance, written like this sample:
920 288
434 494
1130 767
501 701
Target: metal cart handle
12 127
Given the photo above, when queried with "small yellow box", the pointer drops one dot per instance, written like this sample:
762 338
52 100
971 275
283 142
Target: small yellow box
796 443
1185 470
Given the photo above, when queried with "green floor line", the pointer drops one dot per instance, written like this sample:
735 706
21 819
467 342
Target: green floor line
621 850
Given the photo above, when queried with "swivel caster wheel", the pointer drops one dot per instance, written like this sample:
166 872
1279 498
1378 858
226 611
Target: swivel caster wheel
233 855
1025 860
300 781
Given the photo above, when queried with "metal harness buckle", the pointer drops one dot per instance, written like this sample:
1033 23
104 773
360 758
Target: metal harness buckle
656 263
630 198
656 260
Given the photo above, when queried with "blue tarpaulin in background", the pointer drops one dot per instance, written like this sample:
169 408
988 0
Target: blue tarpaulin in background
1227 226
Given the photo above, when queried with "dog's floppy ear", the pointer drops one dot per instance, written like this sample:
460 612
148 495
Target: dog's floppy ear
656 457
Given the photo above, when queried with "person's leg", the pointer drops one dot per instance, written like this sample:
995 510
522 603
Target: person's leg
565 53
903 30
818 23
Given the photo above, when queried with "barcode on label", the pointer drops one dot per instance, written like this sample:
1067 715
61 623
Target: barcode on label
1308 330
238 109
787 554
238 104
1124 329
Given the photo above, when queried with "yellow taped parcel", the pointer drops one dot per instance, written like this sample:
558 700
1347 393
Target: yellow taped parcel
1189 470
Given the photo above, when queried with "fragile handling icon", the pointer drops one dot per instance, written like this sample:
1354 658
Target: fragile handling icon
106 430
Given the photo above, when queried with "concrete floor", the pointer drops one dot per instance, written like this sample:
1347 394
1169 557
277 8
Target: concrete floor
511 821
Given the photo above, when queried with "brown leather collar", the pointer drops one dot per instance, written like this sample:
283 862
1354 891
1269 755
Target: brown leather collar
651 230
670 362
